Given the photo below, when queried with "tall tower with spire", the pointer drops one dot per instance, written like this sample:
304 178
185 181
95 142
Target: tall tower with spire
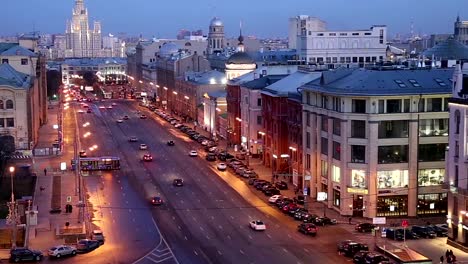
216 41
81 42
461 30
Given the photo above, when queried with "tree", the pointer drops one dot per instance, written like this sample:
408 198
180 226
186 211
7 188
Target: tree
90 78
7 147
54 79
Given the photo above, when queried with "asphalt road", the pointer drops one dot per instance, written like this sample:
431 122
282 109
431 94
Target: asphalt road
206 220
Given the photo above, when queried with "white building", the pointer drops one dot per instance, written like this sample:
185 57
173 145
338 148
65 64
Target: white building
300 26
457 160
350 48
216 41
109 70
81 41
375 140
461 31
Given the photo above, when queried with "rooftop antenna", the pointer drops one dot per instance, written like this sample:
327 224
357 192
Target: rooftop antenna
412 28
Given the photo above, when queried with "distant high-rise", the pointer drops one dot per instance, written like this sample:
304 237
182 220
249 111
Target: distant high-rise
81 41
461 31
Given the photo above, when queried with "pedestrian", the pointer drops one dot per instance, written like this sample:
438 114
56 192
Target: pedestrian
451 253
350 219
447 254
441 259
295 190
45 172
41 188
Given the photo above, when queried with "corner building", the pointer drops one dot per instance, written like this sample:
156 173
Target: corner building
375 141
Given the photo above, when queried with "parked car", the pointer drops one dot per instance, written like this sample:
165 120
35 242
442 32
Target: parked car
307 229
340 246
423 231
323 220
221 166
170 143
360 257
86 245
300 213
440 232
25 254
289 207
210 157
61 251
271 191
352 248
300 199
274 198
156 200
98 235
282 185
407 233
310 218
364 227
391 233
375 258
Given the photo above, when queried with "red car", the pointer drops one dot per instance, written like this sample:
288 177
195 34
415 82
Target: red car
289 207
147 157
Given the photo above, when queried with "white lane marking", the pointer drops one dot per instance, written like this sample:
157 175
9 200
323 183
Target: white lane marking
185 237
242 252
181 201
207 237
220 227
201 228
194 219
195 252
306 250
155 261
199 200
212 217
269 236
232 217
285 250
250 237
229 237
126 202
129 210
193 193
173 218
289 236
225 192
219 252
180 228
133 219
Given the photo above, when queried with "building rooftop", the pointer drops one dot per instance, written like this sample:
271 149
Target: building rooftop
240 58
10 77
288 85
363 82
218 94
209 77
94 61
14 49
263 82
449 49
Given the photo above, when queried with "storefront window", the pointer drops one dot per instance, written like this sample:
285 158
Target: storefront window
392 179
358 179
336 198
430 177
336 176
432 204
392 205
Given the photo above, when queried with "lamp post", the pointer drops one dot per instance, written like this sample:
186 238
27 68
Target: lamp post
262 134
12 217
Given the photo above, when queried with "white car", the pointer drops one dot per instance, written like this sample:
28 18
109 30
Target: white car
62 250
257 225
274 198
143 146
98 235
204 142
119 121
114 104
222 166
193 153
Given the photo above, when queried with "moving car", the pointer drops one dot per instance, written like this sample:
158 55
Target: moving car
83 154
364 227
109 107
62 250
360 257
156 200
125 117
257 225
25 254
119 121
374 258
210 157
86 245
147 157
274 198
193 153
352 248
98 235
307 229
178 182
143 117
170 143
282 185
114 104
323 220
221 166
133 139
143 146
89 111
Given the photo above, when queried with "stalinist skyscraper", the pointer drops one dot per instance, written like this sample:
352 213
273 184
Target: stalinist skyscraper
81 41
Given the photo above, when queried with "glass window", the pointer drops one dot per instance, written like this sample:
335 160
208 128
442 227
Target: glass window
24 61
433 127
393 129
10 122
324 168
432 152
381 106
308 140
307 118
337 126
1 104
336 150
392 205
259 120
431 177
358 154
336 198
393 106
2 122
358 106
325 123
432 204
336 174
421 104
308 161
457 120
358 128
406 105
324 146
434 104
9 104
393 154
4 61
358 179
392 179
307 98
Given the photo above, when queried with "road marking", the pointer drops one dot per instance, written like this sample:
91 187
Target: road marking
199 200
173 218
219 252
242 252
268 235
289 236
195 252
180 228
148 257
285 250
232 217
194 219
193 193
212 217
250 237
181 201
133 219
306 250
249 216
225 192
220 227
207 237
129 210
201 228
277 226
229 237
241 226
185 237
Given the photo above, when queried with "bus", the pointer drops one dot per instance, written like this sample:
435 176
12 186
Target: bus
100 163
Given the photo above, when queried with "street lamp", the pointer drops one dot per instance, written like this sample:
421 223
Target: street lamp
12 217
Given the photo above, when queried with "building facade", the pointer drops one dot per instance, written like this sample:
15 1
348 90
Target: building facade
457 166
109 70
375 141
350 48
300 26
216 41
461 31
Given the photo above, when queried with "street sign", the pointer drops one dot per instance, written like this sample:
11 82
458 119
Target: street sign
68 199
379 220
404 223
384 232
305 191
308 178
321 196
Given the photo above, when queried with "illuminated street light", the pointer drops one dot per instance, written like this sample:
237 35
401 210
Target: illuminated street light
151 83
186 97
157 86
217 109
174 92
261 133
238 119
165 88
140 81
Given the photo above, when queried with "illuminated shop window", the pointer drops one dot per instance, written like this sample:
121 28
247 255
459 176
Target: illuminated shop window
392 179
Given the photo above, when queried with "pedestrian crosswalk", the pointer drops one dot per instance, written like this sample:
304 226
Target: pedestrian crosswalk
20 157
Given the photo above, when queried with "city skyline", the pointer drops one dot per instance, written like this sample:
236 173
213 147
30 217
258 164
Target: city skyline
257 19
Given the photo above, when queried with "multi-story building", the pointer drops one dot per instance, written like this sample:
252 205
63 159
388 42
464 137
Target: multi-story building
375 140
81 41
23 93
109 70
349 48
301 26
457 160
216 41
282 125
461 31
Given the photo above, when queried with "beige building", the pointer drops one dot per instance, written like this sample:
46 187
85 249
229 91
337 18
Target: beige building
374 141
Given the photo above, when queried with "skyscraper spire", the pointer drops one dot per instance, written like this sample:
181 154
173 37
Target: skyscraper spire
240 46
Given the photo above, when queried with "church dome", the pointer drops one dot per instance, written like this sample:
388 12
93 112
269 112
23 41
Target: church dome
216 22
168 49
240 58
